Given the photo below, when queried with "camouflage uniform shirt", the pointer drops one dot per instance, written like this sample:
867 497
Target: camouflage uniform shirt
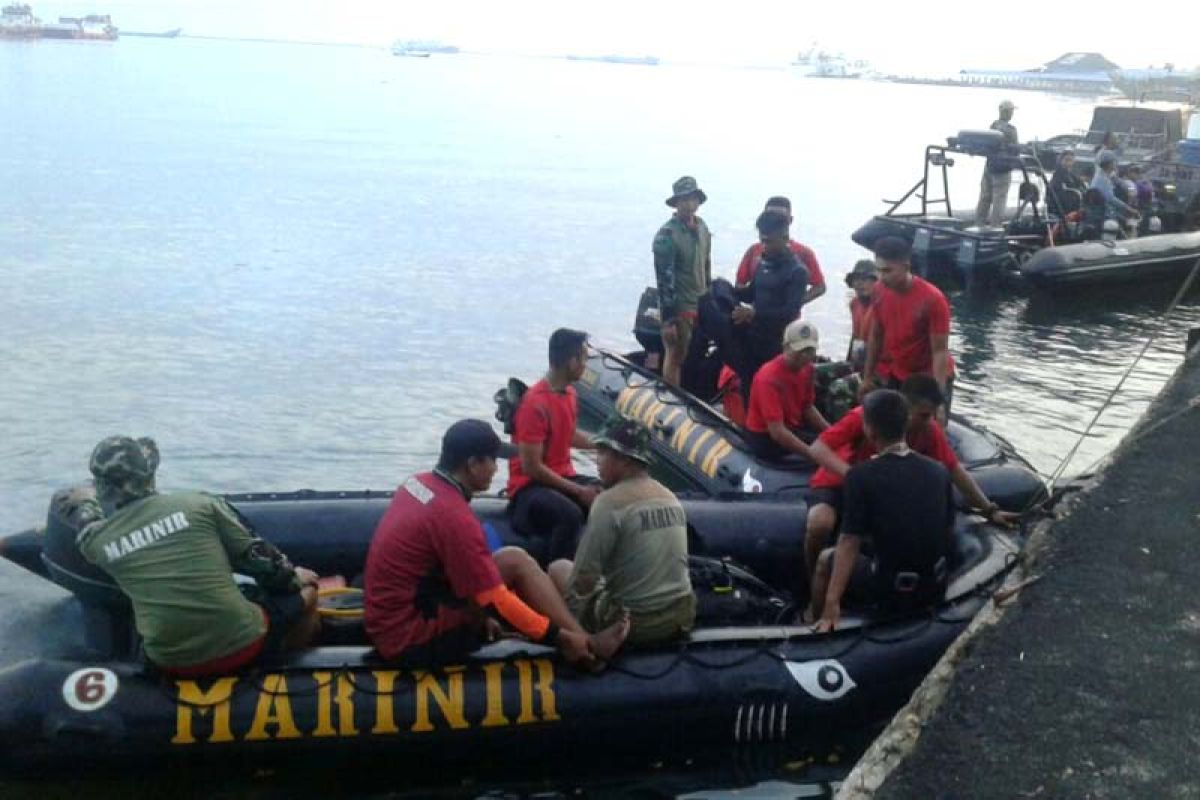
682 265
174 555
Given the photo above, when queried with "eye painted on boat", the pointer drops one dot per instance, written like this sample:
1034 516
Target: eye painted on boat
824 680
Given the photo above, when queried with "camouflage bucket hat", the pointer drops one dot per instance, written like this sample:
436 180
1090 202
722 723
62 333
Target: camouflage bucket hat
685 187
627 437
125 463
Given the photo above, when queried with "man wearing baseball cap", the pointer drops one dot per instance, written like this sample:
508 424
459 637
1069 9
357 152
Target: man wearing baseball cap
997 172
174 556
748 266
434 593
683 268
633 555
782 396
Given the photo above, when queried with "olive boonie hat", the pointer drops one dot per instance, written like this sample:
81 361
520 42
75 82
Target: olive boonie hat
684 187
627 437
863 268
1007 105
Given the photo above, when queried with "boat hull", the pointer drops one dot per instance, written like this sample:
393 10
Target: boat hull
1161 257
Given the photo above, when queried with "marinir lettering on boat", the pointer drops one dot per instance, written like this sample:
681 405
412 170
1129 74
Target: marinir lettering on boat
380 702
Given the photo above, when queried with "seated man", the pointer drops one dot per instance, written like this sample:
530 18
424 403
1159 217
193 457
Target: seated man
846 443
903 502
433 591
1102 181
1066 188
633 555
781 398
546 499
175 555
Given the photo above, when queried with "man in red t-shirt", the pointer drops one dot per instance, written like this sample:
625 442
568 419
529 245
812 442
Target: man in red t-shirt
749 263
433 591
864 280
548 501
910 332
845 444
782 395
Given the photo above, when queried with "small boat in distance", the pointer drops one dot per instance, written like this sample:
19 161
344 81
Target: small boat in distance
648 61
421 48
171 34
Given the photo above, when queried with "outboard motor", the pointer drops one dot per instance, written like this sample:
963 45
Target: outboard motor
107 613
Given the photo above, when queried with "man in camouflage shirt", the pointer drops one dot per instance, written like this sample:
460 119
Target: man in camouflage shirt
683 267
997 172
633 555
175 555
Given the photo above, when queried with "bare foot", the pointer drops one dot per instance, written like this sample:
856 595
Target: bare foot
605 644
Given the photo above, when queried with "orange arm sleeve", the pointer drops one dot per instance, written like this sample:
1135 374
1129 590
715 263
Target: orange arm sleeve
515 612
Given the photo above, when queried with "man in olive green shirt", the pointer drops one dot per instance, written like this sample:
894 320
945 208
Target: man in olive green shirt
633 555
683 268
175 555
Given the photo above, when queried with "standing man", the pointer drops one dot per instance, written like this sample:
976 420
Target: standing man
633 555
910 334
174 555
782 396
683 268
864 280
749 264
997 172
903 502
433 591
546 500
749 334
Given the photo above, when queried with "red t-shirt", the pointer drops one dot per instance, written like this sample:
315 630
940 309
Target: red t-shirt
544 417
428 547
807 257
778 394
848 440
860 318
908 319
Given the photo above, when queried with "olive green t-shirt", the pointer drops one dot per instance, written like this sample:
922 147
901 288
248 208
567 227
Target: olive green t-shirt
174 556
636 541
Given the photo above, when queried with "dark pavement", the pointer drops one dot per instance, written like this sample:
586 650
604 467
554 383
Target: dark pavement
1089 687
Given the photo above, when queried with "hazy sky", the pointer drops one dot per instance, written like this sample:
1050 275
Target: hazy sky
893 35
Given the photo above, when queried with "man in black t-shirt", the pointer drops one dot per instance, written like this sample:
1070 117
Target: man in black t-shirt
904 503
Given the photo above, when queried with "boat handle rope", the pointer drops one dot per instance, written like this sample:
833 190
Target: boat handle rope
767 648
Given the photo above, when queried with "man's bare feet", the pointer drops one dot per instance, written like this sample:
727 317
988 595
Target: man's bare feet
605 644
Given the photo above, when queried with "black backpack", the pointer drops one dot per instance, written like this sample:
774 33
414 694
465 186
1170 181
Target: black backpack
507 399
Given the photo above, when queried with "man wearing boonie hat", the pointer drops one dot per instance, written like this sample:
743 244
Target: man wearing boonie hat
782 396
633 555
174 556
434 592
864 280
997 172
683 269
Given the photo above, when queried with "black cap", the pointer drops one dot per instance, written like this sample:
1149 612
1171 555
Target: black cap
470 438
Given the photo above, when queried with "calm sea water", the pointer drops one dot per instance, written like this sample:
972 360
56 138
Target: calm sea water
294 266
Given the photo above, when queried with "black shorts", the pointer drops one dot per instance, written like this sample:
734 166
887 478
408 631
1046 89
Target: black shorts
448 647
283 612
829 495
869 587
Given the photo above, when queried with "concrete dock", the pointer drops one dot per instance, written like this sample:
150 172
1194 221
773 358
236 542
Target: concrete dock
1087 684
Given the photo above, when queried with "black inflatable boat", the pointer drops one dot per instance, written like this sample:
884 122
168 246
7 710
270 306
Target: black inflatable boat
1149 258
744 676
